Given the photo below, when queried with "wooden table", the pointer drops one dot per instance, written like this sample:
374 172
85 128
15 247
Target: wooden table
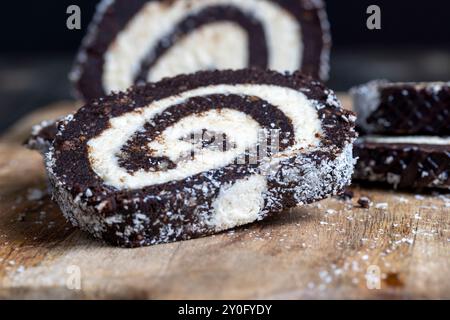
333 249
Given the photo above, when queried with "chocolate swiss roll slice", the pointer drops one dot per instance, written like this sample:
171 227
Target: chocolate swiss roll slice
403 108
411 162
133 41
197 154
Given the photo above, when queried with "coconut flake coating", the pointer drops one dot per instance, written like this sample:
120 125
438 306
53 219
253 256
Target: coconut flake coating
215 196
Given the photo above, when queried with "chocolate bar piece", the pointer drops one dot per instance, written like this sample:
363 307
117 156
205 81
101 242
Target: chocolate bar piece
403 108
197 154
134 41
412 162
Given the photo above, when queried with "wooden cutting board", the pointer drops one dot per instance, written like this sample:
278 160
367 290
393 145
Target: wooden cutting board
398 248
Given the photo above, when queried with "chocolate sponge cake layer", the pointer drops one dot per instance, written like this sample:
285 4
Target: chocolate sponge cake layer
197 154
404 162
133 41
403 108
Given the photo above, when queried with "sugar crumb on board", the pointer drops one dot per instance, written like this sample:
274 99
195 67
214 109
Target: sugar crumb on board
34 194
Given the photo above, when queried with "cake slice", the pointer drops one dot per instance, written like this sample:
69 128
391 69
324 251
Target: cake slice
197 154
403 108
133 41
412 162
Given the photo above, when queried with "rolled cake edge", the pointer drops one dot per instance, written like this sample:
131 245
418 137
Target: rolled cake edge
322 179
327 40
81 57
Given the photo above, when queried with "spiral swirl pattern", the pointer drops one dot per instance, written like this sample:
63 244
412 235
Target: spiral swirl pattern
133 41
125 169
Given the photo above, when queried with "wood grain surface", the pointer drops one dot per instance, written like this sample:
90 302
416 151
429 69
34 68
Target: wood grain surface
333 249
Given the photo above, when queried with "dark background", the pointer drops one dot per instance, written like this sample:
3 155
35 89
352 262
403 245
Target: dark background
37 49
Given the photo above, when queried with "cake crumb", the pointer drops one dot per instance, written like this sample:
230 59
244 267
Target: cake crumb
364 202
346 195
35 194
382 205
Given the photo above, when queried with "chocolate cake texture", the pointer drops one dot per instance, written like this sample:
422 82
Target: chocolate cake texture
412 162
184 157
42 135
134 41
403 108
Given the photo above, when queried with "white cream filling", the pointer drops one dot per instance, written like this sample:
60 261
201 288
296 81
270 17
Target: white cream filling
157 19
431 140
240 128
103 149
239 203
216 39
